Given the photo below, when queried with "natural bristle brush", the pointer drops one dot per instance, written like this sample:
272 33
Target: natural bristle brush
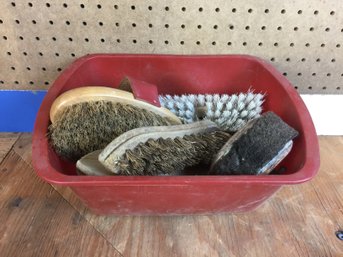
165 150
229 112
86 119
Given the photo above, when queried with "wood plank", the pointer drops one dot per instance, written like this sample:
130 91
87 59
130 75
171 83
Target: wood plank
7 140
37 221
299 220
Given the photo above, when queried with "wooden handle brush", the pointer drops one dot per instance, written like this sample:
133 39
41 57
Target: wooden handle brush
88 118
97 93
163 150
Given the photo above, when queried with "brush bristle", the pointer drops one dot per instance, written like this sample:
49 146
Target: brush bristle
230 112
85 127
171 156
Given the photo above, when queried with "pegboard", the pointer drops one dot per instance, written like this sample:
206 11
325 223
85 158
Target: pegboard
303 39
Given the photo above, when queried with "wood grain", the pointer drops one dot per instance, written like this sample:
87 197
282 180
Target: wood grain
298 221
7 140
37 221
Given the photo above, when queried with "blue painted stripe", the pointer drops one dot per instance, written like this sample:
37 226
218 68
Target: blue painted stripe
18 109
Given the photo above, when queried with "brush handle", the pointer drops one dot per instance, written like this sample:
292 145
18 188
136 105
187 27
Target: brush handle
94 93
141 90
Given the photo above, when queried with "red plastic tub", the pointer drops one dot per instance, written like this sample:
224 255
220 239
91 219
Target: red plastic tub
180 194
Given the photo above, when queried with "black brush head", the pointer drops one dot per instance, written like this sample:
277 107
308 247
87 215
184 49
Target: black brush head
85 127
253 147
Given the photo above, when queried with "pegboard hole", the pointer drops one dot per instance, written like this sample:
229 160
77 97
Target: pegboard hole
84 23
12 68
134 41
24 53
291 44
201 9
117 24
86 40
46 83
13 4
295 28
283 11
198 43
229 43
231 27
40 54
72 54
303 59
276 44
99 6
51 22
57 54
307 44
31 83
332 13
1 22
30 4
34 22
272 59
182 42
118 40
217 9
328 74
65 5
133 7
324 88
279 28
247 27
338 45
338 88
150 25
263 28
266 11
16 82
183 26
333 60
214 43
322 45
134 25
17 21
166 26
296 88
310 88
250 10
288 59
311 29
149 8
37 38
183 9
101 24
68 23
166 42
316 12
260 44
285 74
199 26
2 82
244 43
43 69
215 27
59 69
28 68
299 74
70 39
318 60
151 42
9 53
166 8
48 5
4 37
234 10
21 38
300 12
102 40
314 74
327 29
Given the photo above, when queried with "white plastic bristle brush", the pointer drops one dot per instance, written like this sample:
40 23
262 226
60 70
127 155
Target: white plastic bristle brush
230 112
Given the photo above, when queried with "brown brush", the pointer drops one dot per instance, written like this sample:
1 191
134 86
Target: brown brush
164 150
88 118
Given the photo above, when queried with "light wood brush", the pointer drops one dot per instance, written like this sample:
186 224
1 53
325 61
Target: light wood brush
86 119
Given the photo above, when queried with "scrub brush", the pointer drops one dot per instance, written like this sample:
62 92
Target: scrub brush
165 150
255 149
86 119
229 112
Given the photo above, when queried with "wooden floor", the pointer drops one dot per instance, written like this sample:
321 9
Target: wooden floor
37 219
